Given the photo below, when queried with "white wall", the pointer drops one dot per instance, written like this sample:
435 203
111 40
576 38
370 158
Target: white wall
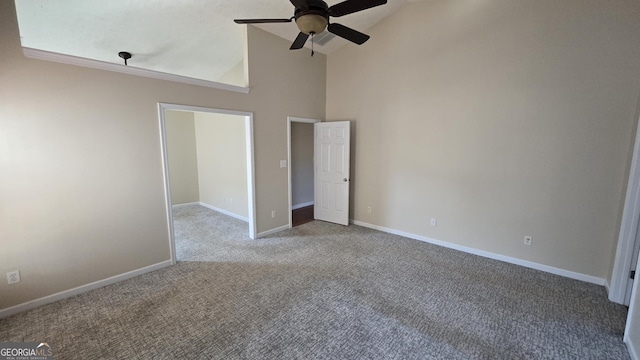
182 156
301 163
82 178
500 118
222 162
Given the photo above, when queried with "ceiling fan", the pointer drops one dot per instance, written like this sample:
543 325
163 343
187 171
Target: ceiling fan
312 17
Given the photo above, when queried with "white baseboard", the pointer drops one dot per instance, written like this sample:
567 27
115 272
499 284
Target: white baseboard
80 289
185 204
226 212
298 206
273 231
606 285
490 255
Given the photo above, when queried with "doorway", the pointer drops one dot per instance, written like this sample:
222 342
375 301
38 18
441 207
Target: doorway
248 161
300 140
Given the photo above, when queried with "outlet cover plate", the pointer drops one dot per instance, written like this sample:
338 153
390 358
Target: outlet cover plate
13 277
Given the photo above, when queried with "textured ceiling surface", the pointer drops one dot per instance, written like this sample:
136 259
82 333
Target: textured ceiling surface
195 38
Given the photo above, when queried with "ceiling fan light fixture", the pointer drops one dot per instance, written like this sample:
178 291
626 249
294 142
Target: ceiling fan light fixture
312 18
312 23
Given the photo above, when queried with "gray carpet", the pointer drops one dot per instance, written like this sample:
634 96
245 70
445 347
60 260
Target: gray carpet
324 291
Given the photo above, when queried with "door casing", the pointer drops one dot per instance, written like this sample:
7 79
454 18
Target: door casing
621 286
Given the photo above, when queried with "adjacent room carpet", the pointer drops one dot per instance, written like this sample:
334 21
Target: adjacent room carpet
324 291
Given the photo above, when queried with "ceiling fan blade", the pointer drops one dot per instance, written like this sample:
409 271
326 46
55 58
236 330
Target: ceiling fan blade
298 43
351 6
261 21
300 4
348 33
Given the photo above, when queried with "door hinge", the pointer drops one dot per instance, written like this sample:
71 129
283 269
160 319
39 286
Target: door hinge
632 274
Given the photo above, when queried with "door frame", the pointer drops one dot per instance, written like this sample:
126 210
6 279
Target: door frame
619 291
251 197
291 119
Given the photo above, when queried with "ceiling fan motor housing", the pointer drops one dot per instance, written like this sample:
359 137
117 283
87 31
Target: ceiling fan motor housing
313 20
312 17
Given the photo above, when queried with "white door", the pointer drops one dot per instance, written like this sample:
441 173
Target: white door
632 327
634 264
331 159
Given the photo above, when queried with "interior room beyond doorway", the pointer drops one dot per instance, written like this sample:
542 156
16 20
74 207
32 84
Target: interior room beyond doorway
301 176
208 156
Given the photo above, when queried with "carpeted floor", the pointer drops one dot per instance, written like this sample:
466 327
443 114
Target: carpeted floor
324 291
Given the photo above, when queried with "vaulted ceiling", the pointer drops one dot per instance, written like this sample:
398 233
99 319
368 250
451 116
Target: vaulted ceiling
194 38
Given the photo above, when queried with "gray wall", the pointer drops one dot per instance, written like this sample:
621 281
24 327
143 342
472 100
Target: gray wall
82 171
500 118
180 133
207 159
301 163
222 161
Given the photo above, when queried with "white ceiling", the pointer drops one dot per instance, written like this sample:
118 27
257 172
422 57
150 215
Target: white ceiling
195 38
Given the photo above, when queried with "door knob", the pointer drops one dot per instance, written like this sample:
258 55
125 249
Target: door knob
345 179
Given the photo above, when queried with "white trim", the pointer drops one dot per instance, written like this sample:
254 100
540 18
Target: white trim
633 354
606 285
251 177
303 120
628 229
291 119
130 70
167 186
223 211
185 204
631 320
251 197
490 255
273 231
81 289
189 108
298 206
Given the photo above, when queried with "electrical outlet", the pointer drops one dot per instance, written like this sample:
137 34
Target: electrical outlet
369 209
13 277
527 240
434 222
273 213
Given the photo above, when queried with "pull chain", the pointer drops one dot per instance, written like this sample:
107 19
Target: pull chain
312 44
